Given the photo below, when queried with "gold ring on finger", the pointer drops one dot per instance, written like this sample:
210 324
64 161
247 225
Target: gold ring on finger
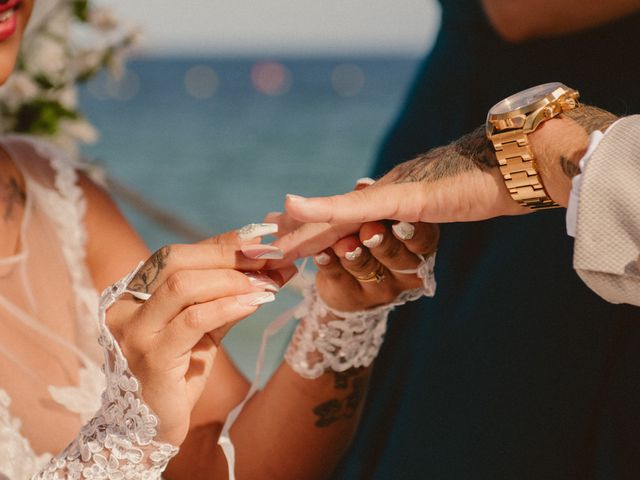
376 276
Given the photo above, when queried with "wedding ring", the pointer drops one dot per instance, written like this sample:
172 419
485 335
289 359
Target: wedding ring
376 276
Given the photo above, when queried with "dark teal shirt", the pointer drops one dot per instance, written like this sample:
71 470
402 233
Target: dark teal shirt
515 370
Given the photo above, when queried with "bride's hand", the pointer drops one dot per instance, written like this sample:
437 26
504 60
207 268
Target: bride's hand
197 293
372 268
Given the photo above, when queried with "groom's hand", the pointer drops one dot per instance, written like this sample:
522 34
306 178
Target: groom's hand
458 182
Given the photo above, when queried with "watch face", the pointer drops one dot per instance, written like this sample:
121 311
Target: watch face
524 98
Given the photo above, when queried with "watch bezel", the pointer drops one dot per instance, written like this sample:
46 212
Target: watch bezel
525 117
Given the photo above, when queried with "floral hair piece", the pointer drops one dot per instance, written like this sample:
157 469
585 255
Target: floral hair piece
67 43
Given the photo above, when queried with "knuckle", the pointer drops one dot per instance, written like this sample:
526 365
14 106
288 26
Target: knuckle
166 254
177 283
193 318
232 279
392 247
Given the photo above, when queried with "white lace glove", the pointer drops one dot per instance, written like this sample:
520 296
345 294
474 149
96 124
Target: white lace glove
328 339
118 442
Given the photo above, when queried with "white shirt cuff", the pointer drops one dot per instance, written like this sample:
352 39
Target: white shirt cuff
574 196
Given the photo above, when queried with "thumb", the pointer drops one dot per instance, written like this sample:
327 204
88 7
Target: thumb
378 202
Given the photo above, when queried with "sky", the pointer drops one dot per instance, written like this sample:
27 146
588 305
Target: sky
405 27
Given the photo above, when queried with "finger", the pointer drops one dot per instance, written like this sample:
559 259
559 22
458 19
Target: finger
357 260
310 239
272 280
386 248
250 233
364 182
337 287
285 222
328 264
419 238
173 258
255 231
283 275
187 328
392 201
183 289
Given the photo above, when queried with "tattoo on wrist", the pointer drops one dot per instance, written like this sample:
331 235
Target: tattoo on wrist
150 271
591 118
13 195
469 152
336 409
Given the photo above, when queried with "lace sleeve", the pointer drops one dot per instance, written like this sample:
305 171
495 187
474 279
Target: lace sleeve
328 339
118 442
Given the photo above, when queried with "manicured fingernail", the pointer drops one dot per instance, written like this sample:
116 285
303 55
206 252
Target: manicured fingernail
353 254
365 181
255 230
295 198
255 299
404 230
374 241
263 281
322 259
262 252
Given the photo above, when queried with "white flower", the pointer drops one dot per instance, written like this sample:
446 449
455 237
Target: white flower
19 88
88 60
68 97
80 130
103 19
59 20
46 56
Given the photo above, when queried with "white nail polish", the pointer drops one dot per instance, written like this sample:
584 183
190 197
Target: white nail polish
295 198
351 256
262 252
365 181
404 230
255 299
322 259
255 230
263 281
374 241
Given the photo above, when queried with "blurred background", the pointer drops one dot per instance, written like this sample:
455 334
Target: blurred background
227 105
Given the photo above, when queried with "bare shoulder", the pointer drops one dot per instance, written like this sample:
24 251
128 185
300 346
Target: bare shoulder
113 246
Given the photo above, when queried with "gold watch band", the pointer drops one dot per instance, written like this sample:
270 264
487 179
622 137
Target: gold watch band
519 171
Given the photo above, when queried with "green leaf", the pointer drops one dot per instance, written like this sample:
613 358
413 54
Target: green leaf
81 10
41 117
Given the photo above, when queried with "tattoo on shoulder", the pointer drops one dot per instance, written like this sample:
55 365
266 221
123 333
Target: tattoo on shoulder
346 407
471 151
13 195
150 271
569 168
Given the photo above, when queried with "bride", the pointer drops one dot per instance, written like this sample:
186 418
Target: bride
134 383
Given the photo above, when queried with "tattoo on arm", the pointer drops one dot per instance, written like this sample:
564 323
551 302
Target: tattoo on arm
474 150
336 409
591 118
14 194
471 151
150 271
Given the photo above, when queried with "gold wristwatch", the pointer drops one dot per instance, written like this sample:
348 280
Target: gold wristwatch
508 124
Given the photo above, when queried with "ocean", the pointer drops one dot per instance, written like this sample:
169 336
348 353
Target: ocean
218 142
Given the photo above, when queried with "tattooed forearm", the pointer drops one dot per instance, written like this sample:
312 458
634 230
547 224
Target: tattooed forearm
471 151
591 118
13 195
335 409
150 271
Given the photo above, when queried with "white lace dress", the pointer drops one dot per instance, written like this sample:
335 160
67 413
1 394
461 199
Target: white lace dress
50 376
